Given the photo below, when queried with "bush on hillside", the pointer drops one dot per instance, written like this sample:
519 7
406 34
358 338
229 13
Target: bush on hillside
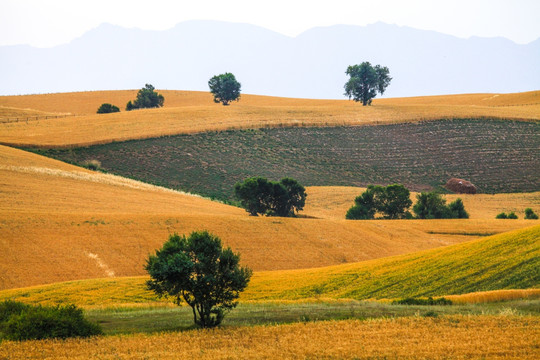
25 322
510 215
107 108
530 214
92 164
420 301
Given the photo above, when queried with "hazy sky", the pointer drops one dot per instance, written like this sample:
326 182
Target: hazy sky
46 23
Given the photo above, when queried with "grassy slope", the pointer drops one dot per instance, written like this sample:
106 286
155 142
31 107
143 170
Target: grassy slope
505 261
189 112
497 156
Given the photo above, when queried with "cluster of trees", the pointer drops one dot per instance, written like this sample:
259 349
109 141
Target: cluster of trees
363 85
258 195
529 215
432 206
393 202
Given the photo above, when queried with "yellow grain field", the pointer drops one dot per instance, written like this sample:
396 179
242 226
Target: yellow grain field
59 222
191 112
332 202
500 262
454 337
494 296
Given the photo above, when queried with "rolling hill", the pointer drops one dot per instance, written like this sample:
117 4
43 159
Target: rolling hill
60 222
497 156
194 112
505 261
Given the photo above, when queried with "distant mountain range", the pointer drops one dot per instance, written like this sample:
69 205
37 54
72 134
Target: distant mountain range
311 65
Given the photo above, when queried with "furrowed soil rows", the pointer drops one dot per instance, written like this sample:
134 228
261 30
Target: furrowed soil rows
497 156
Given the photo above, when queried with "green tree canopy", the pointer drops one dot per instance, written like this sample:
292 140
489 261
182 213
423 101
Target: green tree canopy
432 206
200 272
107 108
530 214
225 88
366 81
259 196
146 98
391 201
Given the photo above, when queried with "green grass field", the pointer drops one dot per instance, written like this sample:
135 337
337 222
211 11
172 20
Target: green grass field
497 156
156 319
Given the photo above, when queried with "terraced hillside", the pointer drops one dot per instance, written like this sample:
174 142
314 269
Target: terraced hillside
193 112
497 156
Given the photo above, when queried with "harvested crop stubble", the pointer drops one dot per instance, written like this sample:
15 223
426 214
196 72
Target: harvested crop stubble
463 337
332 202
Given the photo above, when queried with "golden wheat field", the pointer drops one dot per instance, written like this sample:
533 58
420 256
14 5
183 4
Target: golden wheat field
192 112
481 265
456 337
60 222
332 202
131 292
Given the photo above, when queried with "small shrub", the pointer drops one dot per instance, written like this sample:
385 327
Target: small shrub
92 164
107 108
512 215
25 322
501 216
530 214
420 301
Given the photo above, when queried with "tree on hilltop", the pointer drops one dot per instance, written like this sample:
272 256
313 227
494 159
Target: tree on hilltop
146 98
225 88
366 81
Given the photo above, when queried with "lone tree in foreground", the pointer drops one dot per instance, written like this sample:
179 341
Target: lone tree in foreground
225 88
146 98
200 272
366 81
